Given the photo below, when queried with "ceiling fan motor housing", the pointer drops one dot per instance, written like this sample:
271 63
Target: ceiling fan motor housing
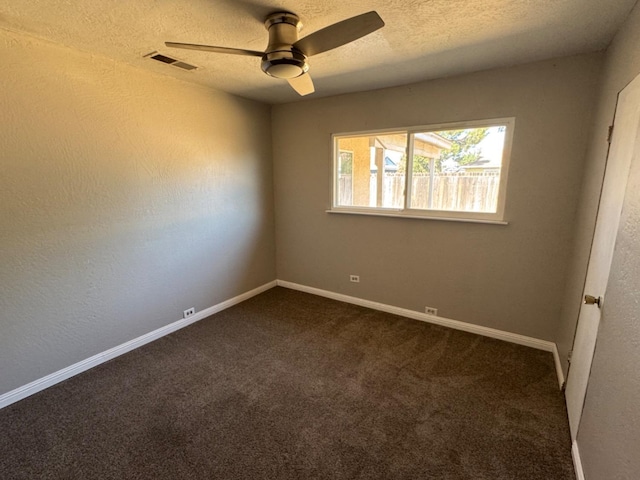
281 59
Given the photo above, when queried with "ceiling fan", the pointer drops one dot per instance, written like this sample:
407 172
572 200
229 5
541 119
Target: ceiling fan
286 56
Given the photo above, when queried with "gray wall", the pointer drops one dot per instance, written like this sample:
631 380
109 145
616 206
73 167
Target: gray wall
506 277
125 198
609 432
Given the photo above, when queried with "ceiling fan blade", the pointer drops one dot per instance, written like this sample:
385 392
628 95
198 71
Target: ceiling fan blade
302 84
209 48
339 33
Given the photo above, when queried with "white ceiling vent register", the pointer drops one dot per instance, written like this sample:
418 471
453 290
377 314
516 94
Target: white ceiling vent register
174 62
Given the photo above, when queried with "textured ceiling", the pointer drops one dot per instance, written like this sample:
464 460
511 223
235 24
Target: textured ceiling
422 39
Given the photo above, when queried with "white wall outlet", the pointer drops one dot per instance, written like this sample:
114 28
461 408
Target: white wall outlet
188 312
354 278
431 311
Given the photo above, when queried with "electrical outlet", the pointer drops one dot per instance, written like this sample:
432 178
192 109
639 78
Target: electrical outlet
188 312
354 278
431 311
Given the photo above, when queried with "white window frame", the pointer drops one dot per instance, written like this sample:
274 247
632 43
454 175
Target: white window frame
406 212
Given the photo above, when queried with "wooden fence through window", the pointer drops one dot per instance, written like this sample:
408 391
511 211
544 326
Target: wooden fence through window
469 192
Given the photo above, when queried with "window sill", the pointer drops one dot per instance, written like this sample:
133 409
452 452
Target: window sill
397 214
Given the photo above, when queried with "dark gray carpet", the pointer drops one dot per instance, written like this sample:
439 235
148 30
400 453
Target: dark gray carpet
293 386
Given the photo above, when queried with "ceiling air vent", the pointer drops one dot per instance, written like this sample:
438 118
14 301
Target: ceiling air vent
174 62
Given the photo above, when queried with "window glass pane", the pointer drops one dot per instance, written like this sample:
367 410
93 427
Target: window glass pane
457 170
371 170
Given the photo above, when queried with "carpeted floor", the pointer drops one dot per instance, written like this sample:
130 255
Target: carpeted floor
293 386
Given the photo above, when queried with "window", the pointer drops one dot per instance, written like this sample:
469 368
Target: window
452 171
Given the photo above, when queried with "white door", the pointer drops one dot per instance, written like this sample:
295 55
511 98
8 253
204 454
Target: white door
624 145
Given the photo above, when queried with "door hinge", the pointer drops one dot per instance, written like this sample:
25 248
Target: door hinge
610 134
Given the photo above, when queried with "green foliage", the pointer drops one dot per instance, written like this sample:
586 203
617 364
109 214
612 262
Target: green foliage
464 149
421 164
346 163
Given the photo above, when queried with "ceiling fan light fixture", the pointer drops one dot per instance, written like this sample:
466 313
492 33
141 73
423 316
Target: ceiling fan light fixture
284 64
284 70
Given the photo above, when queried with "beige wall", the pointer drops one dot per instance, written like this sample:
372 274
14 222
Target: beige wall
609 432
125 198
507 277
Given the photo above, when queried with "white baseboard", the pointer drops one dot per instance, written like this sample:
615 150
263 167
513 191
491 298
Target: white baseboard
57 377
577 461
72 370
445 322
